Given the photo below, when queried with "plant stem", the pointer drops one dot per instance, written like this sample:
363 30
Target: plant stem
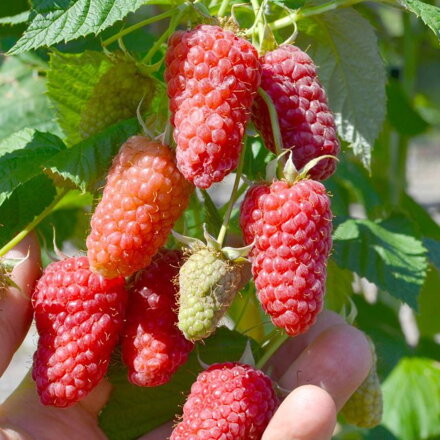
274 121
240 191
258 26
211 210
225 224
274 345
8 246
308 12
171 28
399 148
243 310
222 10
137 26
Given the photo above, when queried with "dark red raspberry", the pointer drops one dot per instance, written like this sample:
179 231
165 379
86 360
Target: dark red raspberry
144 195
79 315
153 348
291 225
307 125
228 401
212 78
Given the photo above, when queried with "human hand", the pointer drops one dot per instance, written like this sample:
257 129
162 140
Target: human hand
323 367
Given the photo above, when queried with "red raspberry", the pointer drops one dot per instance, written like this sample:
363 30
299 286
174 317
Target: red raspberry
144 196
228 401
79 315
212 77
153 347
307 125
291 225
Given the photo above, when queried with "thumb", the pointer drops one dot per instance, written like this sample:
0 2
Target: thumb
15 304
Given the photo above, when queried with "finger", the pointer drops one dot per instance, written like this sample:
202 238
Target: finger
15 304
338 361
293 347
164 431
24 414
97 398
308 413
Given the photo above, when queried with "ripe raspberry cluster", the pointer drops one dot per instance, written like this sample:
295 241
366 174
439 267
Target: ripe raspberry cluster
213 77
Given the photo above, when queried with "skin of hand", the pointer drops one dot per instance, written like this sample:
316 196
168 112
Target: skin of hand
323 367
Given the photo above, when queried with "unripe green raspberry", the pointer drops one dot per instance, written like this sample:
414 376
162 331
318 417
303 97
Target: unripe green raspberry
364 408
208 282
115 98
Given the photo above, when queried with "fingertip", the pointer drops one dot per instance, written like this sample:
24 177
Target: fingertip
292 348
15 304
338 361
307 413
353 355
160 433
97 398
26 273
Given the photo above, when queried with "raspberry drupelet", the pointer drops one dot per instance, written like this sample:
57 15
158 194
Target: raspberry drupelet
212 77
144 196
306 123
291 225
153 348
79 315
228 401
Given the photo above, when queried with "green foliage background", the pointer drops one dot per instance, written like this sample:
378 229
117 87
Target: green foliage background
380 64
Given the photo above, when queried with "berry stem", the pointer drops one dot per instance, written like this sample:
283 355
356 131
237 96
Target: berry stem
274 121
8 246
243 310
315 10
272 347
257 28
212 212
225 224
171 28
222 10
137 26
167 135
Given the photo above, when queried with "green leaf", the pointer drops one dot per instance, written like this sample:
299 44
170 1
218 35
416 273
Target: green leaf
22 157
65 20
426 224
23 102
248 316
20 18
255 160
85 164
382 324
214 220
429 303
25 203
133 411
412 399
379 433
428 13
344 46
350 432
82 73
340 196
70 224
13 7
355 178
292 4
394 261
338 286
401 113
101 91
433 247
